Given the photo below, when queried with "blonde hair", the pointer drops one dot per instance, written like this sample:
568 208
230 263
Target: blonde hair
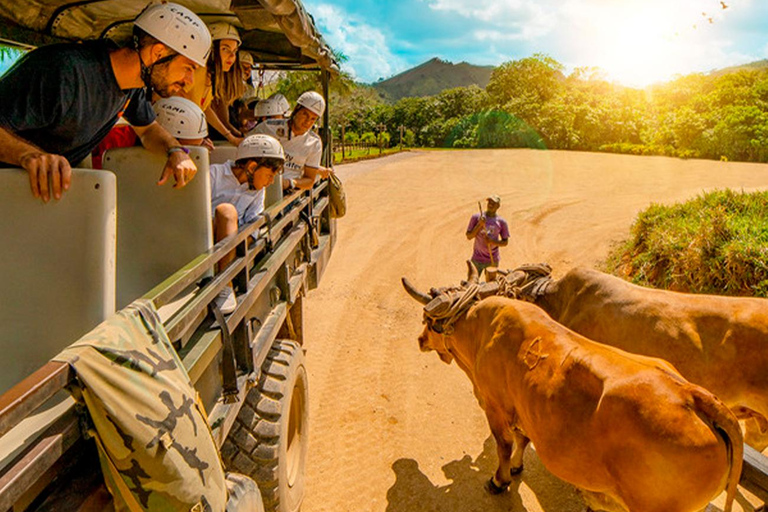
226 86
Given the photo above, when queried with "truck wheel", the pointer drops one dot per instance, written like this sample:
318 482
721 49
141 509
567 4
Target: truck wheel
268 441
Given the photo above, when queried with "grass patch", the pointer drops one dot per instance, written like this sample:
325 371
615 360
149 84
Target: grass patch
716 243
362 154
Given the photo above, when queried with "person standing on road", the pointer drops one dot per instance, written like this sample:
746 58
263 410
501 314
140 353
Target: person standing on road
59 101
489 232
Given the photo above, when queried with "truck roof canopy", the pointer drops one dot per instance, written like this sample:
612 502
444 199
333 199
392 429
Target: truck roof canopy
279 33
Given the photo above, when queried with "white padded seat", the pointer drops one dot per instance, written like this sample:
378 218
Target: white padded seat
159 229
58 268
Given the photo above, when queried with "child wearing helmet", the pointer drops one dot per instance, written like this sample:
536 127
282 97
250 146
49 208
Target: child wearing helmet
179 116
303 147
220 83
59 101
237 195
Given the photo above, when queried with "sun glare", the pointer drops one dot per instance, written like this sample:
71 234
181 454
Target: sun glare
638 43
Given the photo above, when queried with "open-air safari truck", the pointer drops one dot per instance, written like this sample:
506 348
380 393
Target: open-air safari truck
116 239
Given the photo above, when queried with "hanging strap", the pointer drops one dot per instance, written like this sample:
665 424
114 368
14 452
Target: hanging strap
228 363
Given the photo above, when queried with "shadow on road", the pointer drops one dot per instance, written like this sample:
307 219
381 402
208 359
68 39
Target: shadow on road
413 490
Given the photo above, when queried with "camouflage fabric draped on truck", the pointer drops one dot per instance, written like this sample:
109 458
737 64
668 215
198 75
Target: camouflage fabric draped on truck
151 429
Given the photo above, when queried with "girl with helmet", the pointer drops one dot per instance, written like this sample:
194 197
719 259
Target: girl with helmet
220 83
237 195
303 147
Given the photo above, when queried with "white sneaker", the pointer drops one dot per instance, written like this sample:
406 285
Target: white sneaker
226 300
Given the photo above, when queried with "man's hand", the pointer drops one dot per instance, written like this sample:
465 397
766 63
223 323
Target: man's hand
181 167
40 166
325 172
208 144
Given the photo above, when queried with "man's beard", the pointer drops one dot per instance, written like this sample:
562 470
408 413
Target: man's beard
160 83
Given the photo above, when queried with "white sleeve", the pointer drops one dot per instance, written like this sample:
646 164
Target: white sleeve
315 155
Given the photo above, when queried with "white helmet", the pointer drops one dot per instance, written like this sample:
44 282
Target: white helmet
178 28
282 103
268 108
181 117
223 30
313 101
260 145
245 58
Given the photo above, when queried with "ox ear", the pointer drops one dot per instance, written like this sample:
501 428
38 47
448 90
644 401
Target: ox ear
416 294
472 275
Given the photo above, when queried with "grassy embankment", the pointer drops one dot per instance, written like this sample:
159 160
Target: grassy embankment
716 243
363 154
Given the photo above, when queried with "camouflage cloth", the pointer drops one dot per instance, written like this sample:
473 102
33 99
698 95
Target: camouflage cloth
155 445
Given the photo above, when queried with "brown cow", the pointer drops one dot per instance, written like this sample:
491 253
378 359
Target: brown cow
720 343
627 430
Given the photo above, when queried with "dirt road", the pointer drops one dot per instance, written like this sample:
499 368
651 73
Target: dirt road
396 430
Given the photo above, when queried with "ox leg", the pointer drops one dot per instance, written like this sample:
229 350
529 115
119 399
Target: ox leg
521 442
503 476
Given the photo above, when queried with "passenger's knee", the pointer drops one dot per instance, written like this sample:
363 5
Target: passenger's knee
226 211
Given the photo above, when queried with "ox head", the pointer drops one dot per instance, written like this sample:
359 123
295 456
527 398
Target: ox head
445 306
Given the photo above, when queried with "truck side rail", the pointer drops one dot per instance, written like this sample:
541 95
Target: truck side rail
271 275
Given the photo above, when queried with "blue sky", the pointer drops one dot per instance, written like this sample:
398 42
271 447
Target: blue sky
635 42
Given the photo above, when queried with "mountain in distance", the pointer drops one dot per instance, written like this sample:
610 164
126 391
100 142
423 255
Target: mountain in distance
758 65
432 77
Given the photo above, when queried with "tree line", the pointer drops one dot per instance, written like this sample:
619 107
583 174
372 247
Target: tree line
532 103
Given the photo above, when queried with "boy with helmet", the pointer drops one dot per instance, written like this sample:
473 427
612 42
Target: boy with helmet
237 195
303 147
179 116
59 101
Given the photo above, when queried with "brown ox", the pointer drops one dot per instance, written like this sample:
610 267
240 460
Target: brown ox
719 343
627 430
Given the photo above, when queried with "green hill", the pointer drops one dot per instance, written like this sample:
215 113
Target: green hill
752 66
432 77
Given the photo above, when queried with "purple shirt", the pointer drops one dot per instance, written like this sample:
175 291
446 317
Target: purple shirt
495 229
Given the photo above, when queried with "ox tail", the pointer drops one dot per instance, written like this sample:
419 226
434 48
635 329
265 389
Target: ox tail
727 426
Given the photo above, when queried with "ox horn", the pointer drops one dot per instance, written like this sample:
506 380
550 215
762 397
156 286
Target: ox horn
472 275
416 294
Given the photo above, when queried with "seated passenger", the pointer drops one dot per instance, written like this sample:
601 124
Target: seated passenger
242 114
268 109
179 116
184 120
237 195
303 147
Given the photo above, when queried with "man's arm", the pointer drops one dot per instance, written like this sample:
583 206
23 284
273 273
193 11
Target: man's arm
157 140
473 231
38 164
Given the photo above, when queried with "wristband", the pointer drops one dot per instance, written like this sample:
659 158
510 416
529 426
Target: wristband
174 149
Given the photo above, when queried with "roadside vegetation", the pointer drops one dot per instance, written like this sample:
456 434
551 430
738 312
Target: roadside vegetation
532 103
716 243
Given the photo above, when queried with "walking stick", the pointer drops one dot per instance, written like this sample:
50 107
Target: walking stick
487 245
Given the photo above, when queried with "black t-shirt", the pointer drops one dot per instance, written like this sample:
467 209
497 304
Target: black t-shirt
64 98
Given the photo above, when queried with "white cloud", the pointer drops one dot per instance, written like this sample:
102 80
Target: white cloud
508 19
365 45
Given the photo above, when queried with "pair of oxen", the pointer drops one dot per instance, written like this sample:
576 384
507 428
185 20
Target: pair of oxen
633 395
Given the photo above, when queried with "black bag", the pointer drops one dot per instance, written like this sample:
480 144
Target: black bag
336 196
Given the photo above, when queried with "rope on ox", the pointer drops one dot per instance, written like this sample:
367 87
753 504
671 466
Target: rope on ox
441 315
537 277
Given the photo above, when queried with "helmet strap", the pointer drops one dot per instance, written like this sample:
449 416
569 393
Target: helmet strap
146 71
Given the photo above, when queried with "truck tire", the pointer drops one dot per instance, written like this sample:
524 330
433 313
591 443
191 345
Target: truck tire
268 440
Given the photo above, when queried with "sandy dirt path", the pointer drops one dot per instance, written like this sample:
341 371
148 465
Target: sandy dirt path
392 429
